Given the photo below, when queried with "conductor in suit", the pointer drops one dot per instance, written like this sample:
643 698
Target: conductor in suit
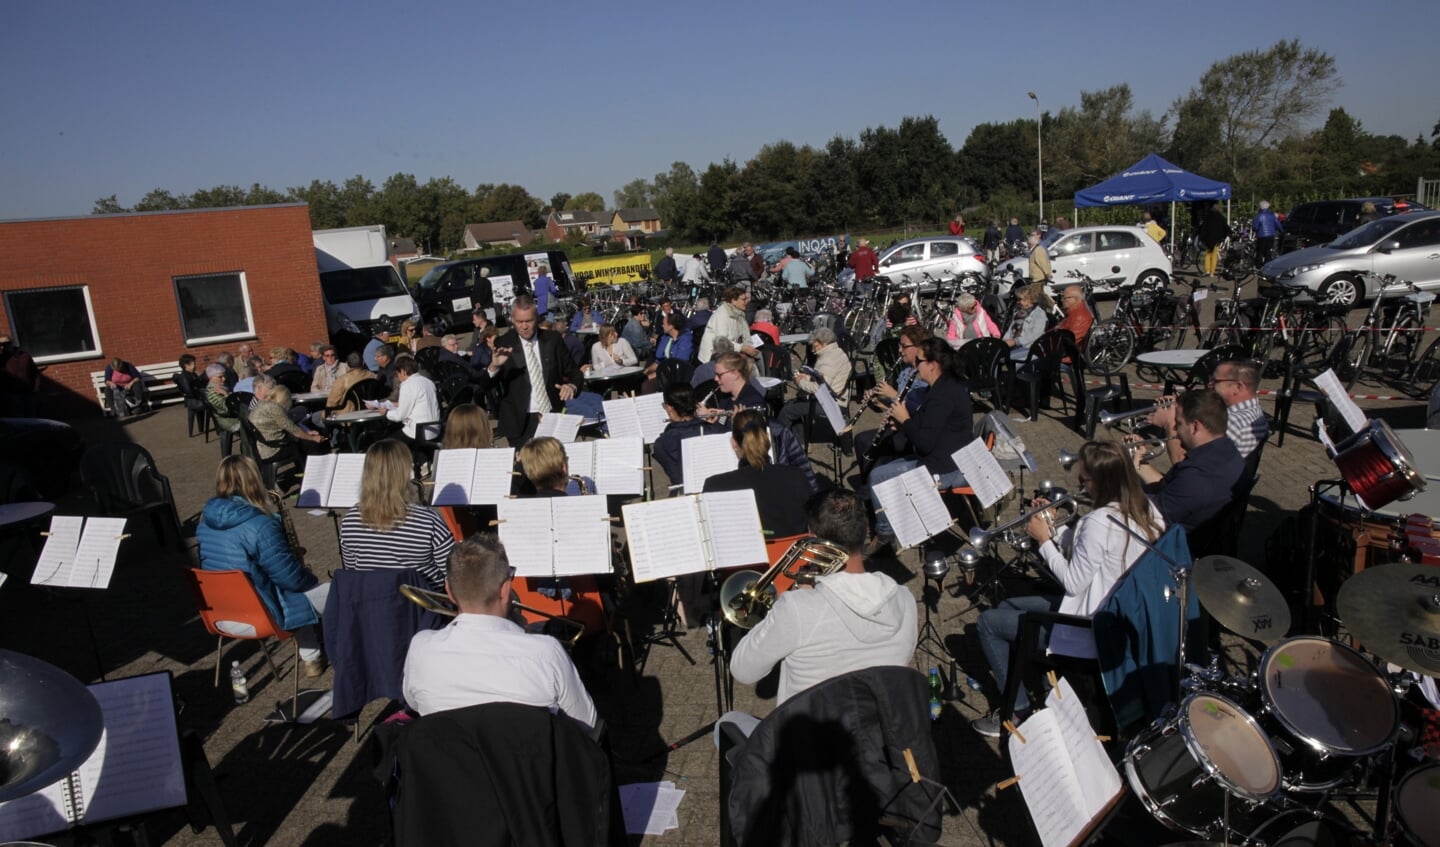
519 353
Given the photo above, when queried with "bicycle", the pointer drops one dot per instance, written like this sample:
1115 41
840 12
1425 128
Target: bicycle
1385 343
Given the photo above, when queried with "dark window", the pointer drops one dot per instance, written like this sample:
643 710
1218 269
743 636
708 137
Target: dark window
1074 245
1327 213
213 307
944 248
1118 239
1302 214
54 324
1420 234
908 253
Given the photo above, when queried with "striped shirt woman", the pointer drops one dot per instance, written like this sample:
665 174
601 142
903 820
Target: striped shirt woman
383 530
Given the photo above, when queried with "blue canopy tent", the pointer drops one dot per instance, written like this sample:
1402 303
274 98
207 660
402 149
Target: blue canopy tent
1153 180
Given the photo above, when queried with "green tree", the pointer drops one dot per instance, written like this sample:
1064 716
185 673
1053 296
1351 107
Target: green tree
160 200
586 200
1098 140
1339 144
558 200
323 198
998 159
357 199
506 202
674 195
635 194
107 206
712 206
833 187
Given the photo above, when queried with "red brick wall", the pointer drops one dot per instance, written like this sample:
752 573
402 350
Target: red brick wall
129 262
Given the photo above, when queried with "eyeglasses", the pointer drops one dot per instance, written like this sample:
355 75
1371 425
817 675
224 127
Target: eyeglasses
1213 381
329 355
920 361
904 346
719 373
510 575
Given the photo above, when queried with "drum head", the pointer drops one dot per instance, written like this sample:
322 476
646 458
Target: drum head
1415 803
1328 696
1230 745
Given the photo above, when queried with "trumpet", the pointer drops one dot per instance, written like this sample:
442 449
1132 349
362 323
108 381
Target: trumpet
1113 418
747 597
441 604
980 538
1158 441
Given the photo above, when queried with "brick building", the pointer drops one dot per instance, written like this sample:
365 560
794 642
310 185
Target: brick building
150 286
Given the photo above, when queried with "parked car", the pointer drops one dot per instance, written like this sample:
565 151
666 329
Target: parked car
1110 255
1406 245
942 257
447 293
1322 221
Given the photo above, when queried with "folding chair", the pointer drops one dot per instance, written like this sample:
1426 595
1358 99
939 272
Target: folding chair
230 608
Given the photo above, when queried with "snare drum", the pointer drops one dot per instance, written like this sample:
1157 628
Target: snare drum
1378 466
1417 805
1183 769
1326 708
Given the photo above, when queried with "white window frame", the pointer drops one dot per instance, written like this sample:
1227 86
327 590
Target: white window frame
215 339
97 353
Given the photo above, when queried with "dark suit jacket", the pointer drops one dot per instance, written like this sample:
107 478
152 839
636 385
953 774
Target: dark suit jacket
513 381
780 495
942 426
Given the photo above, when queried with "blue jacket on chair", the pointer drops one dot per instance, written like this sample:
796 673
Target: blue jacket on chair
368 627
234 535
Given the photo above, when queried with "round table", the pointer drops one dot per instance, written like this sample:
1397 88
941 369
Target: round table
795 338
624 378
360 416
356 424
612 373
15 514
1177 360
311 399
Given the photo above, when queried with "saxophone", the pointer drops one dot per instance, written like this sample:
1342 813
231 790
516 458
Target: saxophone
288 525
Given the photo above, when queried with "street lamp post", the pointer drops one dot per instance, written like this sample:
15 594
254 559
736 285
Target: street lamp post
1039 155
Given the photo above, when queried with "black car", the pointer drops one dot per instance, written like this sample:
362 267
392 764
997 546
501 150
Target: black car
1323 221
448 292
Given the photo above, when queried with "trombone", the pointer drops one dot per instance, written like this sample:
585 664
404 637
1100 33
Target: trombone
980 538
747 597
441 604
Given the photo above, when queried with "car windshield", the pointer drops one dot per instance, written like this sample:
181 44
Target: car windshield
1051 236
431 277
355 284
1366 235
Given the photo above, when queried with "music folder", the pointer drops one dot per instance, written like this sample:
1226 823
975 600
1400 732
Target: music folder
630 417
559 425
913 506
472 477
616 464
694 533
79 552
331 481
556 536
704 456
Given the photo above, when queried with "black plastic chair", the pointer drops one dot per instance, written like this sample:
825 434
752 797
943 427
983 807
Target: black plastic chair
1042 370
125 483
427 358
674 371
982 366
197 411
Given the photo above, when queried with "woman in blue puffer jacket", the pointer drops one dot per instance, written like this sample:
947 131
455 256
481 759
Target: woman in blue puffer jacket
239 532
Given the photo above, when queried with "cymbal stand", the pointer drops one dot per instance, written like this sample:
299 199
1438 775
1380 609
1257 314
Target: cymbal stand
1307 620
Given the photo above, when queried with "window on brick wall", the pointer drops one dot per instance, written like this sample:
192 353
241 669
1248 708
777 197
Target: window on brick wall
214 307
54 324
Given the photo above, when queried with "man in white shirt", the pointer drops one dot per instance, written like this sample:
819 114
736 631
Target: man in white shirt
483 656
417 402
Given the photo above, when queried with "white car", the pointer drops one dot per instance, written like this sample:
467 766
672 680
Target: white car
1110 255
941 256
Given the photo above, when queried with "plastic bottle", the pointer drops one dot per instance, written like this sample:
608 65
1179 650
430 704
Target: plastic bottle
935 687
974 684
238 684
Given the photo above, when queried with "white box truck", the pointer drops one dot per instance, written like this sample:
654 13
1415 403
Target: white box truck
360 285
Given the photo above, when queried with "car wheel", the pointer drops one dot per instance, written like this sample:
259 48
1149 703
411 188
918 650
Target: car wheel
1341 290
1154 276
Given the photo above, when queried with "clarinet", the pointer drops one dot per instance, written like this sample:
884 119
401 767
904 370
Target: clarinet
889 428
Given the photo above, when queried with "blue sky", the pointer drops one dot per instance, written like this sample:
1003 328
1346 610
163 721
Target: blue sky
121 98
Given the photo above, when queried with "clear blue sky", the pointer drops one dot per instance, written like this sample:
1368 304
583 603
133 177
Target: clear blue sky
121 98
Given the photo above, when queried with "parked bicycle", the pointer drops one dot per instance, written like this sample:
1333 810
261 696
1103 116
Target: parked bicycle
1387 341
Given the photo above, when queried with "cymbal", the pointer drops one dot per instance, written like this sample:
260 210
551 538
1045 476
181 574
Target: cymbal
49 724
1394 611
1241 598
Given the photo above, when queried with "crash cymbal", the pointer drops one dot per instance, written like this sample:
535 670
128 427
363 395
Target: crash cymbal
1394 612
1241 598
49 724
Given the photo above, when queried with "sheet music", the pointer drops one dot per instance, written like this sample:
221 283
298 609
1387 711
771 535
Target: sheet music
650 409
345 484
57 558
95 557
454 472
580 458
1009 446
982 472
620 418
756 341
559 425
704 456
581 530
732 520
1099 781
316 480
1329 385
525 530
664 538
913 506
494 471
619 465
831 407
33 815
136 768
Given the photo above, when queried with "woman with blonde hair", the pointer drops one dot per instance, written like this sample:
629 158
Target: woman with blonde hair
610 350
1087 561
1030 319
467 427
385 530
781 491
239 530
545 465
409 334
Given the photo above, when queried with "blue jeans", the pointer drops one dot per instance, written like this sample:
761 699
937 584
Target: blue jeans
1000 627
890 470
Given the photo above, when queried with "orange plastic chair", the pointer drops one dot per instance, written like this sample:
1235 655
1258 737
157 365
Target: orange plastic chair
229 596
775 548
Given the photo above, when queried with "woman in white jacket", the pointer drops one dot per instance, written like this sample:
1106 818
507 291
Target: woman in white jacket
610 350
1087 562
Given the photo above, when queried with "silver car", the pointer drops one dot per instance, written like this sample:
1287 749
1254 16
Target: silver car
1407 246
1110 255
941 256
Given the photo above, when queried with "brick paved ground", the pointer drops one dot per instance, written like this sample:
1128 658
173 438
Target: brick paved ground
310 785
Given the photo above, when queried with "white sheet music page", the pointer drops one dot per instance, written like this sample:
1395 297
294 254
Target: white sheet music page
136 768
1099 780
1048 780
525 532
664 538
580 457
982 472
95 557
559 426
925 497
57 558
315 483
345 485
650 409
704 456
620 418
732 520
454 472
831 407
1329 385
581 534
619 465
895 500
494 468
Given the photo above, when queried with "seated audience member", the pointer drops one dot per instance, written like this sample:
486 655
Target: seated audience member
587 317
284 370
385 369
969 322
833 366
327 370
701 316
547 468
705 371
1195 489
189 380
417 403
355 372
450 352
483 656
215 395
125 388
780 490
227 361
1029 321
249 369
239 530
409 333
1087 562
426 339
676 342
271 417
680 409
307 362
386 530
483 350
851 620
468 428
636 331
764 325
610 351
1077 315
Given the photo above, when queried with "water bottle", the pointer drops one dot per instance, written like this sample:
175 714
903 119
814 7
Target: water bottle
935 686
974 684
238 684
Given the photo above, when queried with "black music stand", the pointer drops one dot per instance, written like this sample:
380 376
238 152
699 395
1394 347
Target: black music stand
669 634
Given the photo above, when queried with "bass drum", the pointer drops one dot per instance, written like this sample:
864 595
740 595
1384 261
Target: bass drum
1417 799
1295 828
1326 708
1184 770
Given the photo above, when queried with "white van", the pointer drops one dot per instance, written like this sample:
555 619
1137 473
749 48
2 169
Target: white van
359 284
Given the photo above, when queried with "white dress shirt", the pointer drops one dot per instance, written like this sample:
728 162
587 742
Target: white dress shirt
488 659
416 404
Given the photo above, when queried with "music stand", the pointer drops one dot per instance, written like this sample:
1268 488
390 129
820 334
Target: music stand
937 565
669 633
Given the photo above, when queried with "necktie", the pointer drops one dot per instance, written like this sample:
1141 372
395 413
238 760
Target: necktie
539 399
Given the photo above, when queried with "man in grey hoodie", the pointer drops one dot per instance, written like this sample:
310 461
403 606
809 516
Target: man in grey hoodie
849 621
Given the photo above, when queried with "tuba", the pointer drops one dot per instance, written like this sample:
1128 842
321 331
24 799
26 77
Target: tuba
746 597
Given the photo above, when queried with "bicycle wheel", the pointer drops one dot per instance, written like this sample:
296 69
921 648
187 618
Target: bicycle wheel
1109 347
1351 360
1316 343
1426 371
1402 345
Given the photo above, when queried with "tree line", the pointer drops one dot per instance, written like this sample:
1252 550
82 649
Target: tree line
1244 122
